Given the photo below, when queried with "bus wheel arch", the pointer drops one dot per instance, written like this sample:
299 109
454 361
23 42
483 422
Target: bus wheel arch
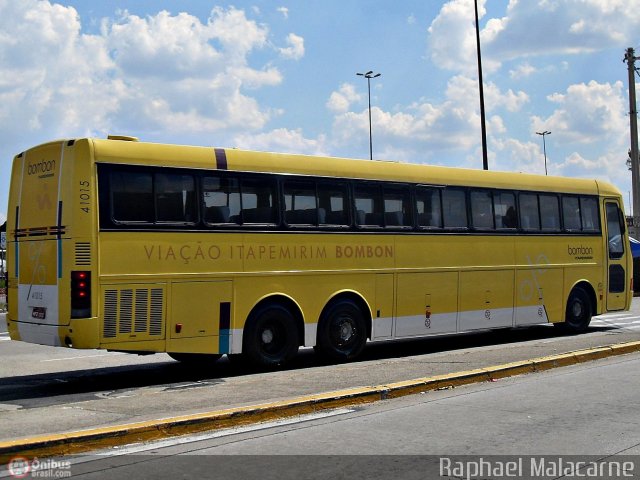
580 307
273 331
343 327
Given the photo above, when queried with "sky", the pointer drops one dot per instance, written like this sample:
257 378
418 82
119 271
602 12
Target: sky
281 76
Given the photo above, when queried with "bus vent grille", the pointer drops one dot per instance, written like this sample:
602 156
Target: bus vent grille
83 254
110 313
126 311
155 314
133 311
142 303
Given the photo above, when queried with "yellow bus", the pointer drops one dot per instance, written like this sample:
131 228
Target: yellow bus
199 252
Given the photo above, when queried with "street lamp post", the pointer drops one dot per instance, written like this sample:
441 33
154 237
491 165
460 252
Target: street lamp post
544 147
369 75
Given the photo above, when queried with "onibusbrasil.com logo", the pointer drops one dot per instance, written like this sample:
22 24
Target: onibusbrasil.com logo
22 467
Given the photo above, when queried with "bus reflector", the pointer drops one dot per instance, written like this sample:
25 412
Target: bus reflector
80 294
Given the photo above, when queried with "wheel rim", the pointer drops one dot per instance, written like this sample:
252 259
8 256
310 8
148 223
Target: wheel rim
273 339
344 331
577 310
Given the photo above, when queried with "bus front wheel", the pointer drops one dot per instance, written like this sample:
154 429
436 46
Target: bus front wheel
579 311
270 338
342 332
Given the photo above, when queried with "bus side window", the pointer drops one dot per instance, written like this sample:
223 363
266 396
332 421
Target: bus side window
571 214
549 213
175 198
589 212
132 197
504 207
369 209
482 210
332 202
221 200
300 203
258 200
454 207
428 207
397 207
529 213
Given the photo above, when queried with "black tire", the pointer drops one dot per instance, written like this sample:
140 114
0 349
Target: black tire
270 337
579 312
342 332
199 359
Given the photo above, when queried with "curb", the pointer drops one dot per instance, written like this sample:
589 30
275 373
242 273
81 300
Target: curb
92 439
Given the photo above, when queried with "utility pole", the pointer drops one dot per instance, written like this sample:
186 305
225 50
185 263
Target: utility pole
630 58
483 125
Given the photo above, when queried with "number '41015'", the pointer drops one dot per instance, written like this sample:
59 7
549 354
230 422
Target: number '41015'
84 196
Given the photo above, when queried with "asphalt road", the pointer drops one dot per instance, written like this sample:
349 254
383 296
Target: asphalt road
588 412
45 390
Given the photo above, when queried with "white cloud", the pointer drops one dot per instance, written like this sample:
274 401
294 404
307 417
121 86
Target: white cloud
465 89
568 26
423 131
522 71
451 39
529 28
295 50
53 78
163 72
587 113
517 156
341 100
282 140
284 11
609 166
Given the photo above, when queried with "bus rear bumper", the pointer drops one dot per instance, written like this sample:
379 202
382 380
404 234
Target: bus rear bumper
35 333
82 333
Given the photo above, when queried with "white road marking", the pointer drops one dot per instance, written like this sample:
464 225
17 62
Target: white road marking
616 315
106 354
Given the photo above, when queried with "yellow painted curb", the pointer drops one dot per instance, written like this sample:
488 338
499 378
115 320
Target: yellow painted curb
92 439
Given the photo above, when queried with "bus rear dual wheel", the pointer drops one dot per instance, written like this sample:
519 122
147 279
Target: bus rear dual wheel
342 332
271 337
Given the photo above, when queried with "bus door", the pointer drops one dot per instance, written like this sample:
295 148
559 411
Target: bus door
616 256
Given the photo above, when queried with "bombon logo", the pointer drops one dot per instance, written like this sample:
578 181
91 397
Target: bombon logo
580 251
42 168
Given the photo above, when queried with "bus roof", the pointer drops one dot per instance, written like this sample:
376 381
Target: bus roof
125 150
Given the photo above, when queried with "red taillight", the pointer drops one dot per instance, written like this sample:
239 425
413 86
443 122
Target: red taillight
80 294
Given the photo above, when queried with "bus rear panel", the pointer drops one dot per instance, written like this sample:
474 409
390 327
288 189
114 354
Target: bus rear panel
50 257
